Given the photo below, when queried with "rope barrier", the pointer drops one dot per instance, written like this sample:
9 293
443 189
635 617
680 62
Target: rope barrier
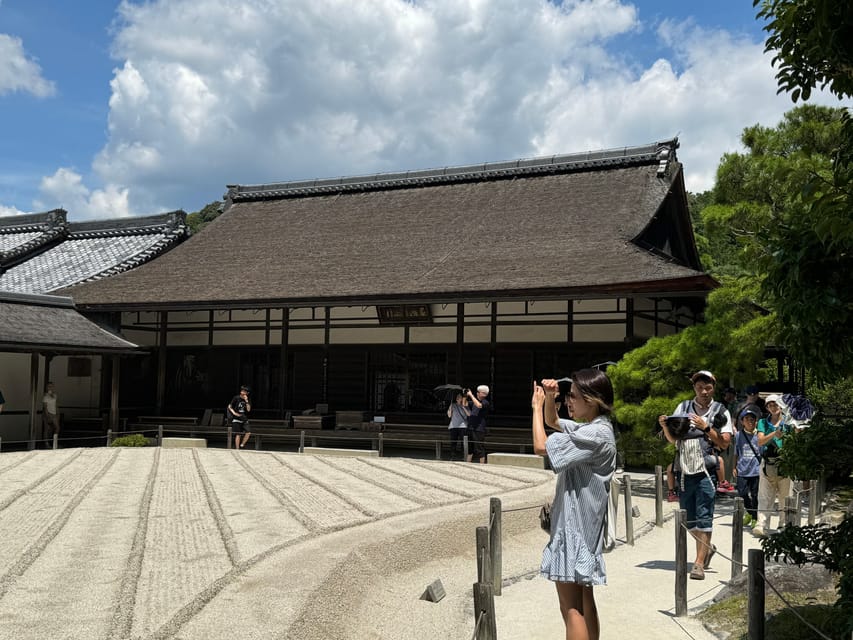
764 577
477 626
788 604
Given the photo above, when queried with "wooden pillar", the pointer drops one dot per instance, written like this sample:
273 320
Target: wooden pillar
493 342
34 399
629 319
326 331
284 387
161 362
460 341
116 371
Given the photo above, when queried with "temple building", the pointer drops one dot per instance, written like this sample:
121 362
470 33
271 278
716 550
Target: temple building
367 292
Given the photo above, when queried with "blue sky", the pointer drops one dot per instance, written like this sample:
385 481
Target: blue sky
113 109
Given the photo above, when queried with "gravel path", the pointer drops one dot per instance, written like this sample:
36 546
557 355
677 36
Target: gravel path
208 543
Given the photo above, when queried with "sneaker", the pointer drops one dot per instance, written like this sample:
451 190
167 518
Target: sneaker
710 555
672 496
697 573
726 487
758 532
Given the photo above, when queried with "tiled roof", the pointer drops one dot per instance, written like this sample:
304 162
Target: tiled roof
23 235
609 222
80 252
33 323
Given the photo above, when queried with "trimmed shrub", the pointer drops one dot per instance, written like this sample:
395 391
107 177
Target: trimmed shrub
133 440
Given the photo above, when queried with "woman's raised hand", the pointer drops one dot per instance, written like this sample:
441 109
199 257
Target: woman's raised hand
538 399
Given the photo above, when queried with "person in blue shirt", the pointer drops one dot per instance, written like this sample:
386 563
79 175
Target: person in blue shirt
747 454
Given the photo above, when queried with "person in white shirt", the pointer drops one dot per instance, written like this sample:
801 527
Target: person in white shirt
50 412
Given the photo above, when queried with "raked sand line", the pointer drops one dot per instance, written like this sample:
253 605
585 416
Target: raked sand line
164 541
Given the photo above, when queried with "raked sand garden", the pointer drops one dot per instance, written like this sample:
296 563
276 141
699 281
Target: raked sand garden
114 543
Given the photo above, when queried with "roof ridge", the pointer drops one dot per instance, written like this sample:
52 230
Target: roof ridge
663 152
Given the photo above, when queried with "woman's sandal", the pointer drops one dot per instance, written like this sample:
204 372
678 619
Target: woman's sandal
697 573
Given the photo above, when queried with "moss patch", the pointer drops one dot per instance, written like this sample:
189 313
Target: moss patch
729 618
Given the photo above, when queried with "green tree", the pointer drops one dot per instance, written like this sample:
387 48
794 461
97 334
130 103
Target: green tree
198 220
813 241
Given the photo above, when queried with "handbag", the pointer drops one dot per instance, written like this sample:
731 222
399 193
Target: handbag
545 517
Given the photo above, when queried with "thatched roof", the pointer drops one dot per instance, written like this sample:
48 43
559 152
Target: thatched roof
40 323
603 223
40 253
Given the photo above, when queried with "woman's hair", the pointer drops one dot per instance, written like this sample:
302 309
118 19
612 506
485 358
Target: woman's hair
594 385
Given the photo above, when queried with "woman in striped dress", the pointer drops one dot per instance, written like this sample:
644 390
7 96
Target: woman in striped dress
584 457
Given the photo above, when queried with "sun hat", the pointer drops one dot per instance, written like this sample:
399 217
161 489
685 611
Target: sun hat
776 398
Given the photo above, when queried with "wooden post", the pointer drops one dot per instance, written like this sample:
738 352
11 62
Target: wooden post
257 442
381 445
229 435
55 441
438 452
1 444
792 511
484 569
629 510
737 538
680 563
109 437
484 605
755 595
159 435
658 495
464 448
495 543
302 441
813 502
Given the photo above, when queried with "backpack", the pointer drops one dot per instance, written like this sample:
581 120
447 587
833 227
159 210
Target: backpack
696 453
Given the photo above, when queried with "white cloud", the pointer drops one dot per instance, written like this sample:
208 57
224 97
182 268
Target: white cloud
65 189
208 92
10 211
18 72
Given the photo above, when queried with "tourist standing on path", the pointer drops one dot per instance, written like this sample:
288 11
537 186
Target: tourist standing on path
771 485
477 423
50 412
238 410
584 457
748 462
458 413
695 452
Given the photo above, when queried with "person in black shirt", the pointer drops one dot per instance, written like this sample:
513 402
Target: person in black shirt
238 411
477 423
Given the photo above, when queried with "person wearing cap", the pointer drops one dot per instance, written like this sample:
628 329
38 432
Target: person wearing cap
747 453
694 449
477 423
771 486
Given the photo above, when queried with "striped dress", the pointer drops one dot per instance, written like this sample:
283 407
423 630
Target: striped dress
584 457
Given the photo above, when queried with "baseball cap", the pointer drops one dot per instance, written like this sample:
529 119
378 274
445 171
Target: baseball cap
704 373
750 409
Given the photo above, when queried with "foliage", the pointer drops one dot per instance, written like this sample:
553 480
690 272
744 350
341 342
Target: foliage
132 440
805 454
651 380
834 399
813 242
200 219
822 544
810 40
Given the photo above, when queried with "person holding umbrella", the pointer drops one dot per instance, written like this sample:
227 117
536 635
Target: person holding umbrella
458 413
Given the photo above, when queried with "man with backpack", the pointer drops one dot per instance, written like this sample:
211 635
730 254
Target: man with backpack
710 428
